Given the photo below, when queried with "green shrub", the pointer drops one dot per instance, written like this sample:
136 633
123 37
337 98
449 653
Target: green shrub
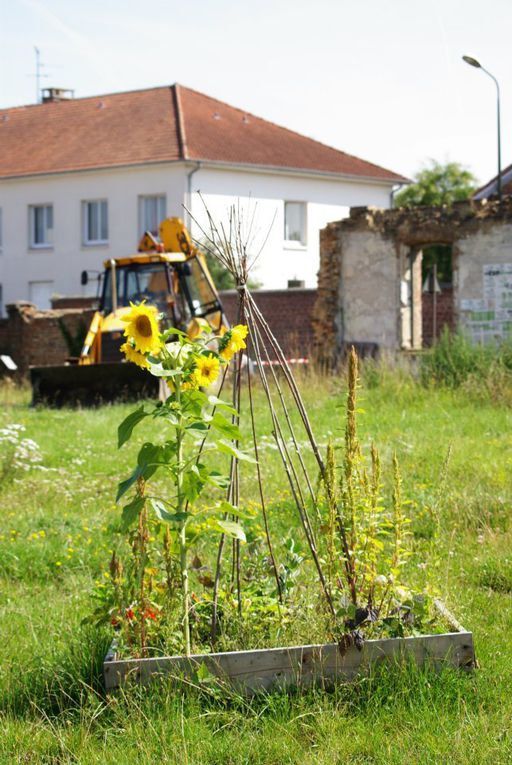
455 360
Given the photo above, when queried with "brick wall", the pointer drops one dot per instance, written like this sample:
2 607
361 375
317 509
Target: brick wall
37 338
445 316
4 335
287 312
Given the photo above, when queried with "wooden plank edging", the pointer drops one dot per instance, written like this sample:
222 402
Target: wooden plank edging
304 666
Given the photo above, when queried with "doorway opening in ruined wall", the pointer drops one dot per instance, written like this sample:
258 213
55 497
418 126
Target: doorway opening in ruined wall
426 294
437 310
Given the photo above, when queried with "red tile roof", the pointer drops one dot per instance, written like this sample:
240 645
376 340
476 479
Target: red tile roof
163 124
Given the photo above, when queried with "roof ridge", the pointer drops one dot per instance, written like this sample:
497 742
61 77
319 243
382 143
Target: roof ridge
180 123
289 130
87 98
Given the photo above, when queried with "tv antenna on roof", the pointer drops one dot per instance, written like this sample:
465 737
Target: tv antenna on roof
38 75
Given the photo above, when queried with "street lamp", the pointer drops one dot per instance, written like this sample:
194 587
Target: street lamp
473 62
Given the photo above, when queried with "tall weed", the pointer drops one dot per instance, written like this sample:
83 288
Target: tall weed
456 361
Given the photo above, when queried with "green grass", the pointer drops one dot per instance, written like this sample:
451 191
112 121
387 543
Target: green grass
56 531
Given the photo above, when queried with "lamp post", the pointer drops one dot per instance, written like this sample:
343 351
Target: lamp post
473 62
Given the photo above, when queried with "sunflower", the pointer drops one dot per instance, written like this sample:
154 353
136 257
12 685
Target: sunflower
142 328
232 341
207 370
238 335
134 356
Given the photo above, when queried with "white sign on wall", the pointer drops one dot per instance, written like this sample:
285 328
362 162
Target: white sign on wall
490 317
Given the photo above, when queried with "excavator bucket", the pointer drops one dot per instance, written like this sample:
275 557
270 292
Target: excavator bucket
90 385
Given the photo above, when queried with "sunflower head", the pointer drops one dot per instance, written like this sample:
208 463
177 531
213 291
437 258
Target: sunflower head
207 370
233 341
238 335
142 328
134 356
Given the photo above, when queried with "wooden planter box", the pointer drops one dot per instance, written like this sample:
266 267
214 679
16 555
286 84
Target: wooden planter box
298 666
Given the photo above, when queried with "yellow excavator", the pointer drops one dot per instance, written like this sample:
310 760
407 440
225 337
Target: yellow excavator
168 271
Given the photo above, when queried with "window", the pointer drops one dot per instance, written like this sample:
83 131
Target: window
41 225
1 232
295 222
95 221
152 211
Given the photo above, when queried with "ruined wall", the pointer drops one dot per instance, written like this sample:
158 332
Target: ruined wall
326 314
485 283
37 338
369 287
357 292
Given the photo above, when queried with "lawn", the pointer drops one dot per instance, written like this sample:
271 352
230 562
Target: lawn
57 528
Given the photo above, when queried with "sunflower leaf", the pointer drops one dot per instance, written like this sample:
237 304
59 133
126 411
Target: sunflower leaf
230 528
131 511
224 426
226 448
165 515
227 507
125 429
173 331
192 485
123 486
157 370
223 404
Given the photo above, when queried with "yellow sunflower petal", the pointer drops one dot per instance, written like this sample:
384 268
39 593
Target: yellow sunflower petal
238 335
134 356
227 353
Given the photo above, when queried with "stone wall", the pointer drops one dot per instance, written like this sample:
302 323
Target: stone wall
327 320
370 266
357 292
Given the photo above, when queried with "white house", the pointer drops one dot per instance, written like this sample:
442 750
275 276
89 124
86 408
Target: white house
81 179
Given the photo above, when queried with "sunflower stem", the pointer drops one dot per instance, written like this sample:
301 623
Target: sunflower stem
182 534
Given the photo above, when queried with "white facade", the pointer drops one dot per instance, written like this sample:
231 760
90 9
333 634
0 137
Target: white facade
30 271
263 195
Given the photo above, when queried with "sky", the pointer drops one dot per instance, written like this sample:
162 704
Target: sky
381 79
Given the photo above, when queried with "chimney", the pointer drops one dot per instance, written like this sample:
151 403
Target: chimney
57 94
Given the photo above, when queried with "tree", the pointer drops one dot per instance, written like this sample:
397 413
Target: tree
222 278
438 184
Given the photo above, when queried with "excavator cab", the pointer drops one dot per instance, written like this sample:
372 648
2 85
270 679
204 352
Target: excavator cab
134 283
